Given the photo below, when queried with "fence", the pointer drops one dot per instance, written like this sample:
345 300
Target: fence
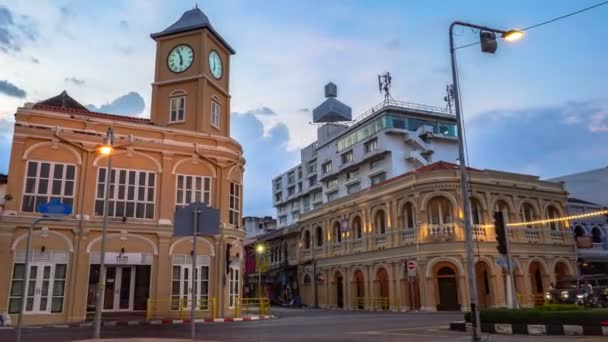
260 306
372 303
176 308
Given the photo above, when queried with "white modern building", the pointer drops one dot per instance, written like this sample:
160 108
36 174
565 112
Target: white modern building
255 226
590 185
390 139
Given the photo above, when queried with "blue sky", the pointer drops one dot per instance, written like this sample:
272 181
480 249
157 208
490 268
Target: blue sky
537 106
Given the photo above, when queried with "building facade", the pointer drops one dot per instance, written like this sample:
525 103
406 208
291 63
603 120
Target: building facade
390 139
589 185
3 199
352 252
591 236
255 226
182 154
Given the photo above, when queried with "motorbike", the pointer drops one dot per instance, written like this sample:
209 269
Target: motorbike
588 300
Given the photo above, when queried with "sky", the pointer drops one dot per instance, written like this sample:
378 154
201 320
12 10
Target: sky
538 106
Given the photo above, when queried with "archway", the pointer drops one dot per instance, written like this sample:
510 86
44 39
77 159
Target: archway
579 231
536 278
447 287
483 274
596 235
382 291
359 282
339 281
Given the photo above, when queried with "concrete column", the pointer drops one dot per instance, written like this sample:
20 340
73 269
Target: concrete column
347 287
395 293
160 283
78 269
369 289
427 294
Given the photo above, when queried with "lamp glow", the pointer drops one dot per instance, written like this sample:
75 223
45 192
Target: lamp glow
512 35
259 249
106 150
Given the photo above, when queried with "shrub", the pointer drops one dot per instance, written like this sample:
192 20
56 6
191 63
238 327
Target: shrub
546 315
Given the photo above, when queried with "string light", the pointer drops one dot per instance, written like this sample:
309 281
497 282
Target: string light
559 219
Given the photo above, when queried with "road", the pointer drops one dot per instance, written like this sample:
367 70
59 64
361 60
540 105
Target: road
295 325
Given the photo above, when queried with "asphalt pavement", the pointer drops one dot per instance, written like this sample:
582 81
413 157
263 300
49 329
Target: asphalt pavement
294 325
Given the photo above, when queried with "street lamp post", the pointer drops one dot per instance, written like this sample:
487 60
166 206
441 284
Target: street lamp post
260 250
106 149
464 181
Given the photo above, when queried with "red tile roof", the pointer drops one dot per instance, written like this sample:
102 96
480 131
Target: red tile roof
436 166
92 114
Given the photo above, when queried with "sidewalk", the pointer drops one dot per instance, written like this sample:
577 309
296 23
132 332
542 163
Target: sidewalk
112 323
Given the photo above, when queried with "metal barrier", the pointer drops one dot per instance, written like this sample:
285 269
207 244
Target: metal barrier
175 308
373 303
250 305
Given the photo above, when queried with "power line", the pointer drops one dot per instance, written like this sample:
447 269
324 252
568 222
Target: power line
546 22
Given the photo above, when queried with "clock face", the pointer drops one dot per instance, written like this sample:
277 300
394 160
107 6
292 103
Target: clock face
180 58
215 64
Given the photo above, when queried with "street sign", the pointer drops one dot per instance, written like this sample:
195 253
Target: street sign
208 222
411 269
54 208
502 262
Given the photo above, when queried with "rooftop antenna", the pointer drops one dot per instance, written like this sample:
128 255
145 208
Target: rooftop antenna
449 98
384 85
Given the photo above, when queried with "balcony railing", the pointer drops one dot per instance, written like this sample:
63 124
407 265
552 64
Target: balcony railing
408 235
441 231
479 232
380 238
357 243
531 234
557 235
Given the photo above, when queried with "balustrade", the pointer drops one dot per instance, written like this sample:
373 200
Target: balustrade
441 231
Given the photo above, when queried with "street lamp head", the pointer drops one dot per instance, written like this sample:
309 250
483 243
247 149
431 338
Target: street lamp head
106 150
260 249
512 35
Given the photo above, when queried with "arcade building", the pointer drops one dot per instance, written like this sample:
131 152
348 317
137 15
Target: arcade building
183 153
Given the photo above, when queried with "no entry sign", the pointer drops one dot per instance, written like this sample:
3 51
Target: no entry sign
411 269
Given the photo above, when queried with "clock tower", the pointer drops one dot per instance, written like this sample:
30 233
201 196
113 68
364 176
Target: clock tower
191 79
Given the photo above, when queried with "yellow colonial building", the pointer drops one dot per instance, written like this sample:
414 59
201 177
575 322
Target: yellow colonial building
182 154
353 251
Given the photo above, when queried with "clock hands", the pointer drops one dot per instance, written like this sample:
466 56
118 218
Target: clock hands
181 59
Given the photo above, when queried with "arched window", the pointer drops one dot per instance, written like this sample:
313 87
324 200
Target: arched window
307 239
409 218
579 231
440 211
476 211
357 231
503 207
319 236
552 213
337 233
596 235
380 222
307 280
527 213
285 252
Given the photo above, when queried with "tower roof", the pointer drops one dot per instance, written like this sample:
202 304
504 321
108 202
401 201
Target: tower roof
192 20
64 101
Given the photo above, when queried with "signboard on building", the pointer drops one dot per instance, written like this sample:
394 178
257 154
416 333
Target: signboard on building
112 258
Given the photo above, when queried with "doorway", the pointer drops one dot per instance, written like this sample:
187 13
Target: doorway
448 290
339 290
182 291
119 289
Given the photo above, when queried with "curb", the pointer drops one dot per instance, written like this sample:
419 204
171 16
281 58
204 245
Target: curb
534 329
151 322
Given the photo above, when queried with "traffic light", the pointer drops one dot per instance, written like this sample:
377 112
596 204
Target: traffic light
501 232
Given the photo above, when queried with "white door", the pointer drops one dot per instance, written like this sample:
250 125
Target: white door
39 288
182 292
